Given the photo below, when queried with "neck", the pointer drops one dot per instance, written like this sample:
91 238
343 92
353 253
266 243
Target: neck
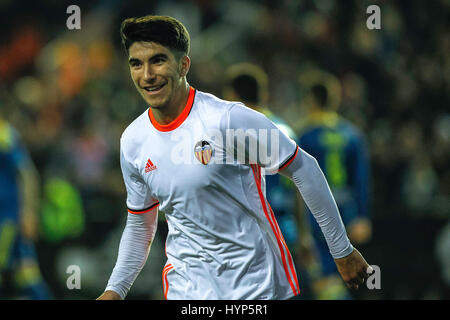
174 107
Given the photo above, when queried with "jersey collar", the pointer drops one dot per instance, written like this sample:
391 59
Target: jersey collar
178 120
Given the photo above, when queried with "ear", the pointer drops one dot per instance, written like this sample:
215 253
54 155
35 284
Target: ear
185 64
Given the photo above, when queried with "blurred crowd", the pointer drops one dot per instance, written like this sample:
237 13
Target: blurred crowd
69 95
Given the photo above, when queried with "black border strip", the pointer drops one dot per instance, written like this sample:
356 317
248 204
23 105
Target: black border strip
285 163
143 210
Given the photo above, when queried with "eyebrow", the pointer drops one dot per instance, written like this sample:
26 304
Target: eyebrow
156 56
131 60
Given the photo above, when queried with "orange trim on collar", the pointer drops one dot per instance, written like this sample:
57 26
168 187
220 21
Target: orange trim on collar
178 120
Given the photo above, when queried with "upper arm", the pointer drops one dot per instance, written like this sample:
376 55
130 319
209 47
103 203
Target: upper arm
257 140
139 199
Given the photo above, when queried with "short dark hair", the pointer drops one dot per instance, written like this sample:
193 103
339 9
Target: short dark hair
246 87
166 31
248 81
320 94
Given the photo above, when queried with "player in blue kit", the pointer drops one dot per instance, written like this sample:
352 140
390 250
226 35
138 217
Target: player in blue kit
19 270
341 151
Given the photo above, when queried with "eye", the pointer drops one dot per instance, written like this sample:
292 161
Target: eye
158 60
135 63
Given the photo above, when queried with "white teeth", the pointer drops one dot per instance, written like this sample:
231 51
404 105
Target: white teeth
153 89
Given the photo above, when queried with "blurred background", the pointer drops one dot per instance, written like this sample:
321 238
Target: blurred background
69 95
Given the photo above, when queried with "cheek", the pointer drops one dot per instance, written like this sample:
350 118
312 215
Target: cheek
134 77
136 73
173 72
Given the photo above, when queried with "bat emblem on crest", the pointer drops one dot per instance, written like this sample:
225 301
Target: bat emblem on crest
203 151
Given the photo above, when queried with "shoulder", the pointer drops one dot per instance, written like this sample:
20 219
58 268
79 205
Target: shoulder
229 114
282 125
239 111
224 106
212 102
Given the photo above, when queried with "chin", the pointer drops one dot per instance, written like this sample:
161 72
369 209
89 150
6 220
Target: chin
156 104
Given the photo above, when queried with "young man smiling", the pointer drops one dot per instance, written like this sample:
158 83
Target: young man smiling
223 240
159 76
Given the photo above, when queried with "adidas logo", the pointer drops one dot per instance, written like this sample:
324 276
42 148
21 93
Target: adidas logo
150 166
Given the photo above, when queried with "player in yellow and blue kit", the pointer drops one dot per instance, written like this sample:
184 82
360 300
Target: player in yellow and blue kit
19 270
341 151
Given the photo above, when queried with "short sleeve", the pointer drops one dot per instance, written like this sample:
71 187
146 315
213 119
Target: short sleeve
139 199
257 140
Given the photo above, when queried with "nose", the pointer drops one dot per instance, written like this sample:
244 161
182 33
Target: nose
148 76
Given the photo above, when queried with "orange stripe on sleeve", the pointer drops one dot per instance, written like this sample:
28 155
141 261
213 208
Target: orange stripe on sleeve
143 210
289 161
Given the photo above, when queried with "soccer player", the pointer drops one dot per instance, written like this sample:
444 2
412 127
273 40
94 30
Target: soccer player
341 151
184 157
18 220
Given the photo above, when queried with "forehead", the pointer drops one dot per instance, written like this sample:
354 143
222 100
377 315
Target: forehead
143 50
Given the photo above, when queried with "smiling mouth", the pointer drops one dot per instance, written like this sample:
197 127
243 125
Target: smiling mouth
154 89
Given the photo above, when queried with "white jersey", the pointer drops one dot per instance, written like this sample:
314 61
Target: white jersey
223 240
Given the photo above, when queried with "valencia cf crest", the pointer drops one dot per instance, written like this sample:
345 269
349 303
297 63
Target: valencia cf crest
203 151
